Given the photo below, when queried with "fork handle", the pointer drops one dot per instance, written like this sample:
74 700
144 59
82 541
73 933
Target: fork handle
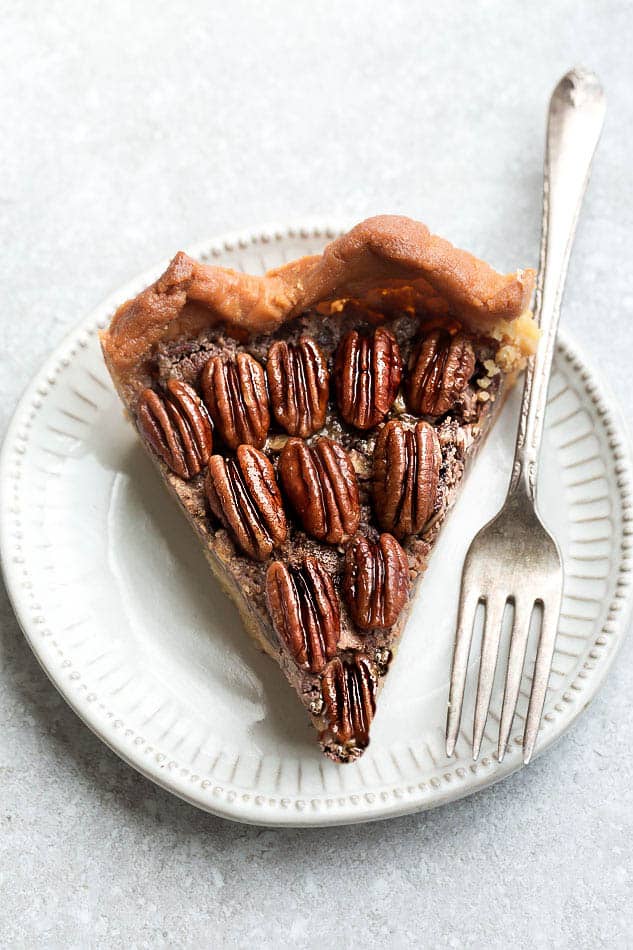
575 119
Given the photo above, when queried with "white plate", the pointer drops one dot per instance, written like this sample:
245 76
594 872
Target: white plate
116 601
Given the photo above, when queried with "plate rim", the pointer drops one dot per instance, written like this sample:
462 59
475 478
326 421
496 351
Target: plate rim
232 802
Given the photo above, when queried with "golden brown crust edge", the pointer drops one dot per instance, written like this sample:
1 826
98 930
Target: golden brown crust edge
387 251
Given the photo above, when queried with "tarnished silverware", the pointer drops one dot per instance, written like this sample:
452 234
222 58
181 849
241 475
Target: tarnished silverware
514 560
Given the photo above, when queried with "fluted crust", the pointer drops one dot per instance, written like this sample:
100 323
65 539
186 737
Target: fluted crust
376 261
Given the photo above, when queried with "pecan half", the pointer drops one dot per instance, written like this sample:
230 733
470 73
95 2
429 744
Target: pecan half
298 383
321 484
406 476
367 373
177 427
304 610
349 694
243 494
235 393
376 581
439 371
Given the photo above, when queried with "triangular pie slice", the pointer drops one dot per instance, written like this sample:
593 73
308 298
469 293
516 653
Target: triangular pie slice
314 424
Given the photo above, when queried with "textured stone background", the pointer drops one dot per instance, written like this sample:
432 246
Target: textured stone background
132 129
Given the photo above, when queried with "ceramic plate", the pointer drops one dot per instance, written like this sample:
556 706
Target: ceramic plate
116 601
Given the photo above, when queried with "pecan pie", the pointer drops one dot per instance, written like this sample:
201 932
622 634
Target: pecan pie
315 424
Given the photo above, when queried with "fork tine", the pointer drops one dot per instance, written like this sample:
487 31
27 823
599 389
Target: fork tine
463 638
542 668
495 606
518 643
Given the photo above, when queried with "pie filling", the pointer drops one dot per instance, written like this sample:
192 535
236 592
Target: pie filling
335 666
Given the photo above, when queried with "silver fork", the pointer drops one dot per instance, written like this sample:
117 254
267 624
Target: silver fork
514 559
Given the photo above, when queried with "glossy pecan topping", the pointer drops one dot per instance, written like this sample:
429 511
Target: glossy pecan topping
243 494
376 581
320 482
439 371
177 427
304 610
367 373
406 475
236 395
349 696
298 383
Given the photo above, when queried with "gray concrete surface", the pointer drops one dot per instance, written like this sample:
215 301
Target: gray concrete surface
132 129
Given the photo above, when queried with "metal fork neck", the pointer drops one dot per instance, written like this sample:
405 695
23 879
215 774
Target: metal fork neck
575 121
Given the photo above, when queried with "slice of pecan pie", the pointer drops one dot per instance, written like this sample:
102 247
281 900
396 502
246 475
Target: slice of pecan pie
314 424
